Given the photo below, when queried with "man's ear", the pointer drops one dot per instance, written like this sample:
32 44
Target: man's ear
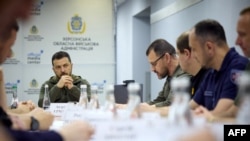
168 57
209 47
187 53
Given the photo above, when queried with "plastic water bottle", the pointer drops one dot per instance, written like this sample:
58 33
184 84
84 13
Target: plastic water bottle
110 99
243 115
134 99
94 101
46 99
14 101
83 100
101 92
179 112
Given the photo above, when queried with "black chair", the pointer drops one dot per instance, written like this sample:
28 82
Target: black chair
121 92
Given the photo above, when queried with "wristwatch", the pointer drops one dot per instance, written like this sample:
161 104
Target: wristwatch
34 125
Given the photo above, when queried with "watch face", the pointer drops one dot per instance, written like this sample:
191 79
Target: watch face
34 124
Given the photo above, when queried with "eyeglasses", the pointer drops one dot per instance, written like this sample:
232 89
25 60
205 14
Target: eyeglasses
154 63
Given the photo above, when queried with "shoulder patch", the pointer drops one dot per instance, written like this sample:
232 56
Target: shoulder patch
234 75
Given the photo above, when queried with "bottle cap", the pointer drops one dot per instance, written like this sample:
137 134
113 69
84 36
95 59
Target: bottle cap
133 87
243 79
94 87
83 86
182 82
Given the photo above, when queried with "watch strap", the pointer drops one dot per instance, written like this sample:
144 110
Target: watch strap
34 124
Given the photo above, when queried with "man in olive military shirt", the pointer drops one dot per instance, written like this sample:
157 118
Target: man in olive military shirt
164 62
64 86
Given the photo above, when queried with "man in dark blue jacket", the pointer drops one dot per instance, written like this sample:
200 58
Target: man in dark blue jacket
209 46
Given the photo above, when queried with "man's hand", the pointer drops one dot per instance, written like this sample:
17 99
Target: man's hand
120 106
26 106
203 112
17 123
76 130
65 81
144 107
23 107
45 118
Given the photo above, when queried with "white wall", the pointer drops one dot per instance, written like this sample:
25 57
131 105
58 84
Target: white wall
93 56
125 37
225 11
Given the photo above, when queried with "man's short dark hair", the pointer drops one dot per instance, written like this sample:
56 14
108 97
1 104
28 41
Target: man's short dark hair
59 55
161 46
210 30
245 10
182 42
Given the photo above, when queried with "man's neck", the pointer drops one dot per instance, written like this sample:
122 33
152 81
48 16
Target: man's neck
173 66
196 69
219 57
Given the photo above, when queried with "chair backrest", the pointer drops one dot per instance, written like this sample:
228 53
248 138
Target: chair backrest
121 93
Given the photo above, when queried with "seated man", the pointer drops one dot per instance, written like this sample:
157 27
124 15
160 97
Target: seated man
243 40
64 86
9 11
164 62
188 64
20 117
208 42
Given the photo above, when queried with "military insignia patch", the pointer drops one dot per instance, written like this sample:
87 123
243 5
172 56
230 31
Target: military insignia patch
234 75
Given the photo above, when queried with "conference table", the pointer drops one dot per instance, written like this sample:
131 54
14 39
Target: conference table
150 126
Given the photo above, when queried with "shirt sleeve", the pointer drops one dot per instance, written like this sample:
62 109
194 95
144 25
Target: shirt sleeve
19 135
158 99
230 88
164 97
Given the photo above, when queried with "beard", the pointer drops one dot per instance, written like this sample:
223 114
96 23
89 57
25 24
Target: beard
165 74
162 75
64 73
